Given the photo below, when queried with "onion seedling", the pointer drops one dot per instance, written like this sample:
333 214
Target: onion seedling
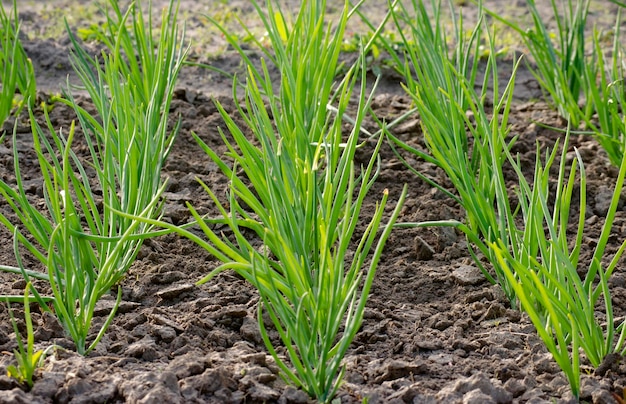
604 92
567 75
82 240
28 360
305 214
306 199
16 69
560 67
545 271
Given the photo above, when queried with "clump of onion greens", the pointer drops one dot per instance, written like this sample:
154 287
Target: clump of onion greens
16 69
79 236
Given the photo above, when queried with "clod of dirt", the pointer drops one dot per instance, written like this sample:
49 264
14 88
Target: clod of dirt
18 396
293 396
423 250
151 387
468 275
476 387
395 369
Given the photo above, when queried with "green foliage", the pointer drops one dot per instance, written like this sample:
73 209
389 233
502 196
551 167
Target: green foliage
132 94
604 91
28 360
85 245
560 66
432 75
16 69
306 212
94 32
306 199
78 270
545 271
584 88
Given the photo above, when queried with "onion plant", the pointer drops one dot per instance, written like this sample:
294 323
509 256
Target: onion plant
16 70
28 360
85 244
431 71
569 76
604 93
545 272
304 206
560 66
422 55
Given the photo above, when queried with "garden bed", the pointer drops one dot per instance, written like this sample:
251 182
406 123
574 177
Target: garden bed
434 329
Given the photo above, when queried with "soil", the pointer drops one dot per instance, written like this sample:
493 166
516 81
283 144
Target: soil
435 331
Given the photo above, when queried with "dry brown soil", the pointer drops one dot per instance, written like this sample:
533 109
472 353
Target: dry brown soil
434 331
